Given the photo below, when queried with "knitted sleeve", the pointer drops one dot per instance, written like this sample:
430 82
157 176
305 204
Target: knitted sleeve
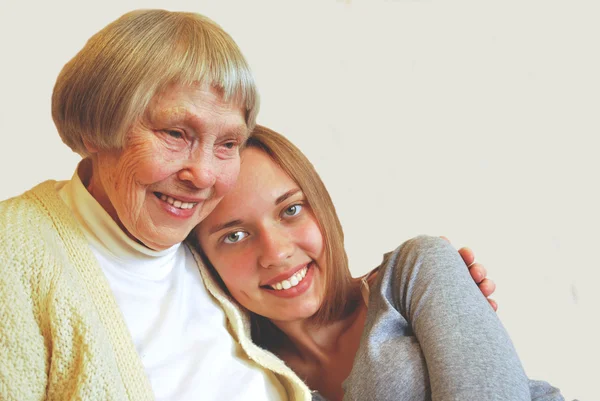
24 355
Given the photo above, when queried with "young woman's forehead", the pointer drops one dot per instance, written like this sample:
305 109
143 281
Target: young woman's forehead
260 180
259 190
258 169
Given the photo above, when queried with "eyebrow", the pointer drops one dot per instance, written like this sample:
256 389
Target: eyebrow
174 115
286 195
167 116
238 130
223 226
241 131
237 222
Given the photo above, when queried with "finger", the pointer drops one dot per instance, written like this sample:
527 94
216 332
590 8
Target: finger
478 272
444 237
493 304
467 255
487 287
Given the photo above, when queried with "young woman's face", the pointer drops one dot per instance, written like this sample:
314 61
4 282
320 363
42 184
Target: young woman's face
265 243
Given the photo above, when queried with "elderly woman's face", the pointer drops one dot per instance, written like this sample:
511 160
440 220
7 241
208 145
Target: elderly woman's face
177 163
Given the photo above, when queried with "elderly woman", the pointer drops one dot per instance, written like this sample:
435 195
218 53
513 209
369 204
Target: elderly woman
99 297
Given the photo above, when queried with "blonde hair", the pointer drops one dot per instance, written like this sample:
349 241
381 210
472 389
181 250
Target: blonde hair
341 293
108 85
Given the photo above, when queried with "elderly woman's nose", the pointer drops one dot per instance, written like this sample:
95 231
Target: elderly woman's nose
275 248
200 171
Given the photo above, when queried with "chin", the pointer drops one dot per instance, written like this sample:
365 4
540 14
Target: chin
164 242
304 315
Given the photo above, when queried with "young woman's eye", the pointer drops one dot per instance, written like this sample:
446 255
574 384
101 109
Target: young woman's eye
234 237
292 210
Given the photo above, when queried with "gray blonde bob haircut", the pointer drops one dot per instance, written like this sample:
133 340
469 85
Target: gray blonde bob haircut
109 84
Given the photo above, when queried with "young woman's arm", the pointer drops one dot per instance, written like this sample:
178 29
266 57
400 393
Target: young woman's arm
431 334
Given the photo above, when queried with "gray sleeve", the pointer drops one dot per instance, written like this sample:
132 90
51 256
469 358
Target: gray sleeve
468 353
543 391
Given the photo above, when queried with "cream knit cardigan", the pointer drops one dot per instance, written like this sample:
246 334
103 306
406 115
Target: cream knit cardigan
62 335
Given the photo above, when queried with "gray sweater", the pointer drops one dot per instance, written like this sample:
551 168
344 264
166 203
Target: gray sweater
431 335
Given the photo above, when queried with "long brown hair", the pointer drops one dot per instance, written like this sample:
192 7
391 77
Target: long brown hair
341 291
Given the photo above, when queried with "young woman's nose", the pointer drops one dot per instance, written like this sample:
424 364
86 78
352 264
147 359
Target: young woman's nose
276 248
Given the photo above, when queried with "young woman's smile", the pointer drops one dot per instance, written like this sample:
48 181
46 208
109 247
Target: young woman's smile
265 243
288 285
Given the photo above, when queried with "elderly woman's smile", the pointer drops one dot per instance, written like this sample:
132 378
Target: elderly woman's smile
175 166
178 203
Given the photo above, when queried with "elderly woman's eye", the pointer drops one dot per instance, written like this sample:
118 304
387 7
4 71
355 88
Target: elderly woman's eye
174 134
230 144
234 237
292 210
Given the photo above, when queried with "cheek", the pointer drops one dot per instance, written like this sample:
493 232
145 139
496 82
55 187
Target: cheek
114 173
227 177
146 162
311 239
149 172
238 271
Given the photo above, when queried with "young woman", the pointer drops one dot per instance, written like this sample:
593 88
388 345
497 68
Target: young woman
415 328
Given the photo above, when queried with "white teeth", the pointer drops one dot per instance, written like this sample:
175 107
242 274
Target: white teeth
177 203
292 281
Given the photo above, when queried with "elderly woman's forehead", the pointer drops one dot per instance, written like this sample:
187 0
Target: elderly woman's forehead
181 102
182 94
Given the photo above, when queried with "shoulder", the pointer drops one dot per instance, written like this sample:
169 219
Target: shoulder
424 245
34 225
417 247
32 213
29 208
417 255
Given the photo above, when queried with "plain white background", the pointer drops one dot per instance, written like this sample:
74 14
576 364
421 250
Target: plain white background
475 120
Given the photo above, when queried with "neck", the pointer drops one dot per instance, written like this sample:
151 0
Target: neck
88 173
311 342
323 355
319 343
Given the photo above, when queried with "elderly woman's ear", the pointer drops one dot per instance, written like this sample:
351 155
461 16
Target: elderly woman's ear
89 146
